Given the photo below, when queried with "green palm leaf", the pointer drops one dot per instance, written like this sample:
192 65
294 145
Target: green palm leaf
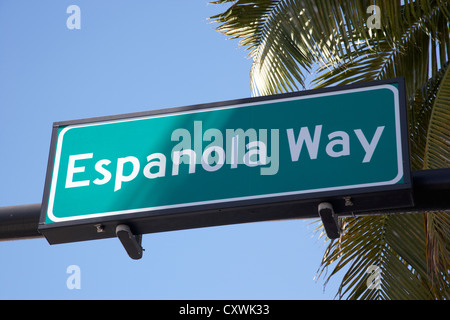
437 155
438 137
290 39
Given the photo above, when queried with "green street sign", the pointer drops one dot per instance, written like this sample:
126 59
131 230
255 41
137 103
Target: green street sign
236 161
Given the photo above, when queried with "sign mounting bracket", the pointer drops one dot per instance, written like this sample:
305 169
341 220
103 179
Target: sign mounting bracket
131 243
330 220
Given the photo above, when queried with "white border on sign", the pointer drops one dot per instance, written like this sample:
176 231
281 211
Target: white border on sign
392 88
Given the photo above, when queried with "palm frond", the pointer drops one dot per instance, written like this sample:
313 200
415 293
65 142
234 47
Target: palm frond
421 242
408 57
420 112
285 38
395 244
438 253
288 39
437 151
437 155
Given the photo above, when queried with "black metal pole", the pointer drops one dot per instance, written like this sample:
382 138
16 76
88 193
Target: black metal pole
431 189
431 192
20 222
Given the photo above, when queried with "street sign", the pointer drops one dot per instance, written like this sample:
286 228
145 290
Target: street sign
255 159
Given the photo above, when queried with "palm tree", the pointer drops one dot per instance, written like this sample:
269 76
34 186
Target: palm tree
298 44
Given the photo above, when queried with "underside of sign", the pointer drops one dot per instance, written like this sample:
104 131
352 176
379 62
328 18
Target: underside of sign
256 159
151 222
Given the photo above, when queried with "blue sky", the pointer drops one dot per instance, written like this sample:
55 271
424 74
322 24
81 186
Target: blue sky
131 56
